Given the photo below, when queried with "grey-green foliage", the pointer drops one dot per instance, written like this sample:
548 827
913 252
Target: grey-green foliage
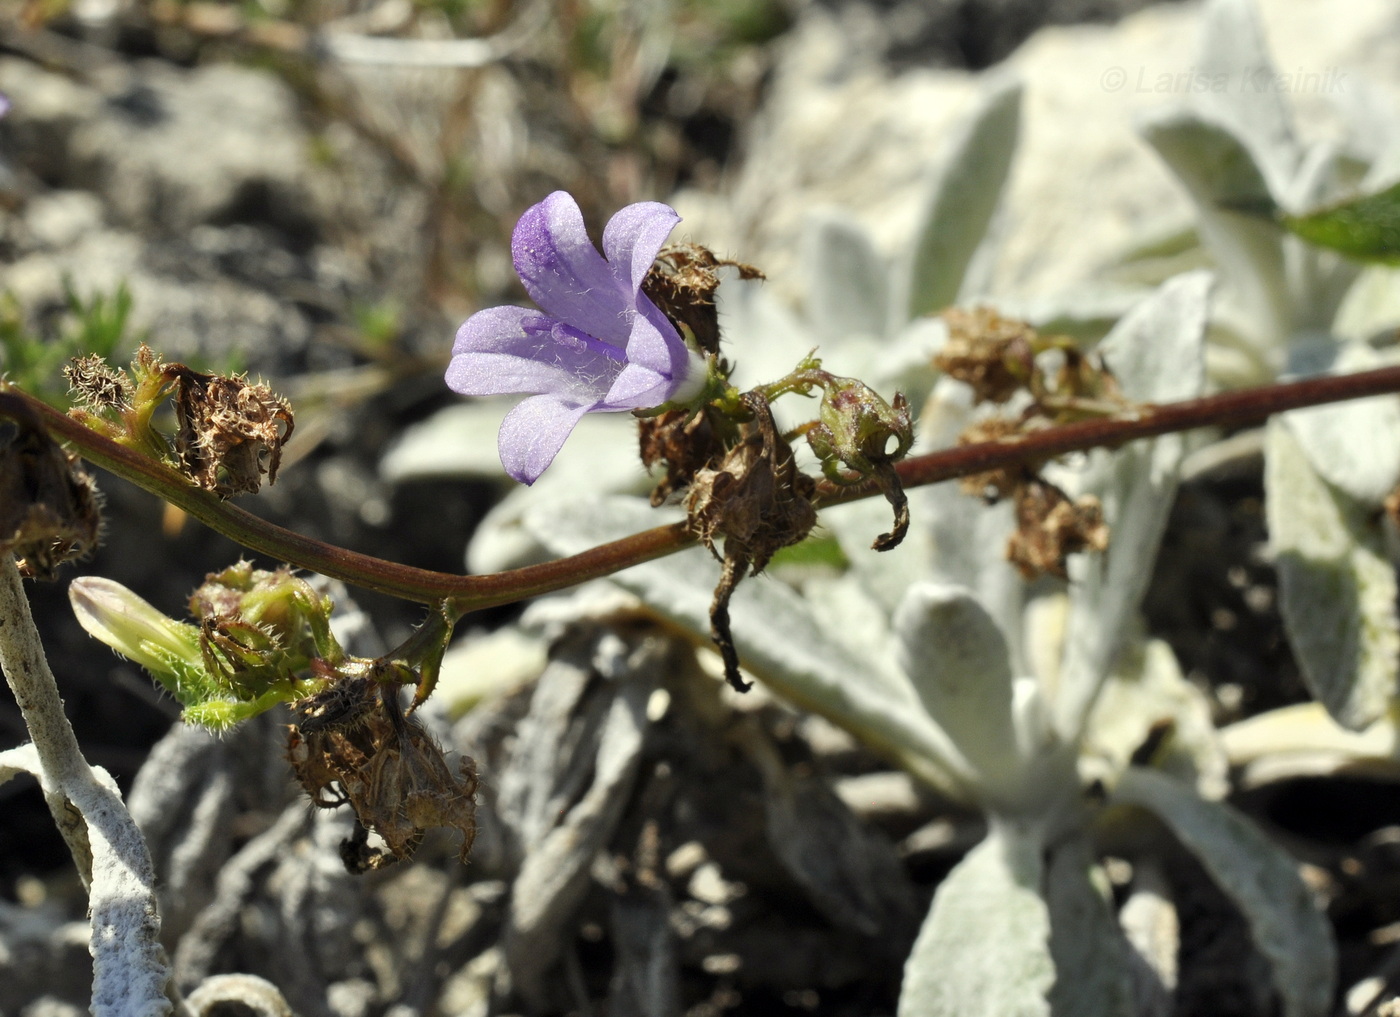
1288 307
869 318
956 704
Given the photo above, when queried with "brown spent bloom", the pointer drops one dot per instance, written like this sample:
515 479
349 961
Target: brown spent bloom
231 432
96 385
49 505
684 442
992 354
1050 527
353 745
759 502
682 283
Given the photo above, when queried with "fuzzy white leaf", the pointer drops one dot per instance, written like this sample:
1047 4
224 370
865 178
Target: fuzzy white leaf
846 288
1223 180
984 948
1260 877
957 659
1091 954
780 639
962 200
1233 50
1146 690
456 441
1337 589
1156 353
1371 307
1354 445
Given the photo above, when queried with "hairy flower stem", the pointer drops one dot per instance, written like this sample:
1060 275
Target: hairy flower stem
36 692
463 594
131 974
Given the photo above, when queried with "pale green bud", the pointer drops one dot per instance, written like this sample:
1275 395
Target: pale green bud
111 613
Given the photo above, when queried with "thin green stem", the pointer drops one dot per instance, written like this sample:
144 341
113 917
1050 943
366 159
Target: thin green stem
462 594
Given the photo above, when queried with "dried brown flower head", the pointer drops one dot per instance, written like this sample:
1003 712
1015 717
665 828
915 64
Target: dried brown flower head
97 385
683 281
994 355
993 485
354 745
1050 527
758 502
231 432
684 442
48 502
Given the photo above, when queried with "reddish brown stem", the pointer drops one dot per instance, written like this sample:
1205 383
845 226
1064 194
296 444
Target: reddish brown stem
469 593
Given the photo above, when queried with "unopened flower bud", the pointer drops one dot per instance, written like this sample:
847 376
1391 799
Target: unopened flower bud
111 613
258 627
857 429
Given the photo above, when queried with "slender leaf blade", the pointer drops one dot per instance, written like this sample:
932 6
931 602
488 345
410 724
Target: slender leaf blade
1366 228
1260 877
984 949
1337 588
962 200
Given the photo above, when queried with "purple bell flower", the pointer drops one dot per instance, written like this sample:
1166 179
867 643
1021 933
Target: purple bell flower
600 344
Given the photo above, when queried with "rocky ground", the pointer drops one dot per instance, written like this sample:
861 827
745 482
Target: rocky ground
275 206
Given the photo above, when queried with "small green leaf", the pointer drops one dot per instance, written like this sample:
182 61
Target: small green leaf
984 949
1366 228
823 549
1260 877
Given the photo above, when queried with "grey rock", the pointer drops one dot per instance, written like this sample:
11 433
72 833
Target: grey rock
173 148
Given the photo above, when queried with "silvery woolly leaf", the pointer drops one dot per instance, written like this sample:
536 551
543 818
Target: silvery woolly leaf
1371 307
1319 276
961 201
1355 445
1337 589
600 455
1155 352
984 948
781 641
1233 51
1091 955
957 659
456 441
1262 880
1234 212
763 337
846 289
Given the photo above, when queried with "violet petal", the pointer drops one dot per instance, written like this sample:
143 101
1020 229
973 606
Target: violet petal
496 330
564 273
484 374
637 387
633 238
532 434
